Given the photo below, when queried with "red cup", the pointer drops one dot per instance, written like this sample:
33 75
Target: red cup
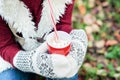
62 46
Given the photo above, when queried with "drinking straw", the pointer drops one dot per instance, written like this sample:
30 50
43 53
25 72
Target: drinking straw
53 21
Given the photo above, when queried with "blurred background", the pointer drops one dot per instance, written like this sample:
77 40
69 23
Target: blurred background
101 21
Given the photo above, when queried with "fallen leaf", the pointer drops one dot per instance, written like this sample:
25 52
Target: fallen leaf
89 29
111 42
118 68
102 72
89 19
116 75
101 51
91 3
90 44
104 4
99 22
103 35
82 9
100 44
95 28
117 35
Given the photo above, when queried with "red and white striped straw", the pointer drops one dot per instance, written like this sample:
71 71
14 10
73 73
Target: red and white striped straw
53 21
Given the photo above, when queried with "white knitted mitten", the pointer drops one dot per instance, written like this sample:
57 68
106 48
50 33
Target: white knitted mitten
79 45
78 49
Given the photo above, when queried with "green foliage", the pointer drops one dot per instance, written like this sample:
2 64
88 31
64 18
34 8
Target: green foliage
96 36
100 66
113 52
90 58
91 73
115 13
115 3
111 70
78 25
116 17
87 6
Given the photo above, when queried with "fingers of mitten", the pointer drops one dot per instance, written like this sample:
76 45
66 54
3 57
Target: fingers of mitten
62 66
78 51
74 66
79 35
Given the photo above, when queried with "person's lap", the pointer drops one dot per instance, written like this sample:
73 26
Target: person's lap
14 74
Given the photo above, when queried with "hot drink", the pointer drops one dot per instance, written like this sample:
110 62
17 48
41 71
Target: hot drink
61 45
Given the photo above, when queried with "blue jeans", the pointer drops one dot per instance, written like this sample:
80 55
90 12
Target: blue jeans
14 74
72 78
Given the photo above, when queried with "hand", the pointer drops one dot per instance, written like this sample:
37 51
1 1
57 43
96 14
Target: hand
79 45
39 62
78 50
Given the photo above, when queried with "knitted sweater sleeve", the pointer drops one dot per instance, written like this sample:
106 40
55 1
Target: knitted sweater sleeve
8 45
65 23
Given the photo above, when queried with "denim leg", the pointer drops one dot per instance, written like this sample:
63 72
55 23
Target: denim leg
72 78
14 74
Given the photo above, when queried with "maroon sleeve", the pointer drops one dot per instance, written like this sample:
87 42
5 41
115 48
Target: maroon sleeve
8 45
66 20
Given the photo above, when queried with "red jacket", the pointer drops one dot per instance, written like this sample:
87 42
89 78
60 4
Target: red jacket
9 47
